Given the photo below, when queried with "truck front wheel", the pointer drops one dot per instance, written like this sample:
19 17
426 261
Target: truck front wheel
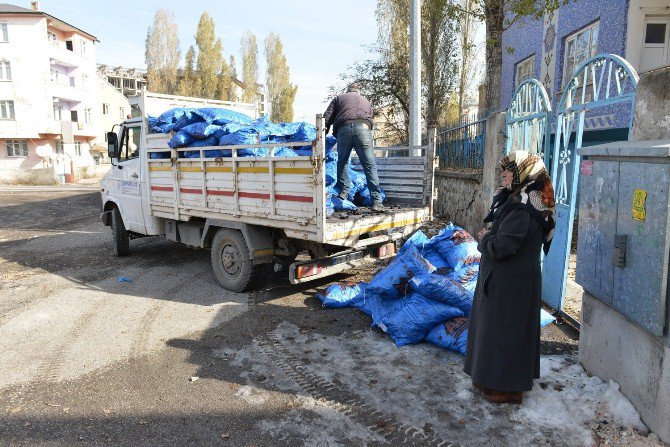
120 234
231 261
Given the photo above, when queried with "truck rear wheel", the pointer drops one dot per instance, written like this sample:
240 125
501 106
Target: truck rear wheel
120 234
231 261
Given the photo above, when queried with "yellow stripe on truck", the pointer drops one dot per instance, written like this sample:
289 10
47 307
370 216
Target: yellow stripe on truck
379 227
300 171
219 169
253 170
160 168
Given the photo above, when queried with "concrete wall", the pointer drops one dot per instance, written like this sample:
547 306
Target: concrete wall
37 176
652 106
456 196
613 348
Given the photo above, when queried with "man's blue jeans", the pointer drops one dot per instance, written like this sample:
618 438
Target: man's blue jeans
357 136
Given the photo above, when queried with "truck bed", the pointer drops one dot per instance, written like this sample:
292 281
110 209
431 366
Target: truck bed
287 193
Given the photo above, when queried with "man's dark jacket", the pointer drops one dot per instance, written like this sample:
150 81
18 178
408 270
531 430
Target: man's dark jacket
350 107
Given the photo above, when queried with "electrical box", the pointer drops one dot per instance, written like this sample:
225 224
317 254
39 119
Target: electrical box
624 229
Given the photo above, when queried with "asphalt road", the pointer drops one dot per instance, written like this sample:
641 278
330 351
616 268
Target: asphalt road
170 358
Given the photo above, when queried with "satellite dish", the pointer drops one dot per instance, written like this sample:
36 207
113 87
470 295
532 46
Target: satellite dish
43 151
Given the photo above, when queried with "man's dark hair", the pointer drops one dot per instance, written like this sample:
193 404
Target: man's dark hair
354 88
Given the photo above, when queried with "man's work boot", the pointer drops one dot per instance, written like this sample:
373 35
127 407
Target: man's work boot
378 207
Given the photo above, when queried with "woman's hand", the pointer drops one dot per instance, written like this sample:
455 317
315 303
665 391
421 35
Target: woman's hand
482 233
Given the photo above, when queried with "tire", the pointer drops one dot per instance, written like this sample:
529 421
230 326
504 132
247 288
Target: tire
231 261
120 234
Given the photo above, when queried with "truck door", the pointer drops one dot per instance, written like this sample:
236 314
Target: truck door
128 178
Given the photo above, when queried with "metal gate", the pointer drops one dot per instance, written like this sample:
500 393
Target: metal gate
528 120
604 80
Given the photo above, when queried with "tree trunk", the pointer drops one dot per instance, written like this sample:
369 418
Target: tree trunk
465 55
494 12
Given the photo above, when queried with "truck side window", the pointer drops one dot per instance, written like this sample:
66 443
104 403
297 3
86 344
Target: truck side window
130 143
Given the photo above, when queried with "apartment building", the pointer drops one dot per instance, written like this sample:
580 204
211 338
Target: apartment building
128 81
48 86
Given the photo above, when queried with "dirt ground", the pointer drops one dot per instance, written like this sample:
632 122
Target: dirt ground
169 358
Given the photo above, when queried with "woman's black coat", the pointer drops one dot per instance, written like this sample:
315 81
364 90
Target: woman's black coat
503 350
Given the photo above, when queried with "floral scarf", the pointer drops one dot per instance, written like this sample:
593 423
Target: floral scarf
531 188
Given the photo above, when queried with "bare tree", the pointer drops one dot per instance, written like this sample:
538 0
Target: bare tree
162 52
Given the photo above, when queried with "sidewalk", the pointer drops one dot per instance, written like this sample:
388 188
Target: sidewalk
74 187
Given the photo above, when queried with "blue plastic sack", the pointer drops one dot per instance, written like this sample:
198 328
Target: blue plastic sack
452 335
546 318
303 152
342 205
341 294
408 320
417 239
393 280
331 141
242 136
285 152
466 277
422 243
457 247
180 139
220 116
202 130
443 289
159 155
363 197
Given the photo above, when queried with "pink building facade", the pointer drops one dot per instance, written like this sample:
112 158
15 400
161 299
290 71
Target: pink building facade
48 83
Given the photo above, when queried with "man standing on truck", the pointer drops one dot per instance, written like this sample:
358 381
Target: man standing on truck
350 114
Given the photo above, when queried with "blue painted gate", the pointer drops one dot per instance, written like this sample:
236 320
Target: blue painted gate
527 120
601 81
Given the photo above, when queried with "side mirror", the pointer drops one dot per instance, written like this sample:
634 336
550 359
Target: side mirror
112 145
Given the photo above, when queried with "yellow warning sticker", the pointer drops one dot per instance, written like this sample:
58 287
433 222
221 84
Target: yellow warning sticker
639 200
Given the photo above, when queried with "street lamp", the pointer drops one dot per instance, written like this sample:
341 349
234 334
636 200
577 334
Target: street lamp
415 74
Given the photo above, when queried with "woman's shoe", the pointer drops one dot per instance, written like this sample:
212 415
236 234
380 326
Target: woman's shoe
499 397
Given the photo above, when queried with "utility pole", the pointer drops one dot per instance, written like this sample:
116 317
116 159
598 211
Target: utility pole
415 74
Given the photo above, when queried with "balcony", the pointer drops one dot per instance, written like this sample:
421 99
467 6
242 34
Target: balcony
79 130
67 92
66 58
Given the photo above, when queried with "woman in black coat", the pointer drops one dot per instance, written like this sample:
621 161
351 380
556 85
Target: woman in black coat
503 350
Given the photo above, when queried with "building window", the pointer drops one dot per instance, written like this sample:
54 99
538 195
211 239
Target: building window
84 82
122 113
87 116
524 70
59 147
116 82
54 75
4 35
129 83
77 148
7 110
51 36
656 44
105 109
58 112
5 71
17 148
82 48
579 47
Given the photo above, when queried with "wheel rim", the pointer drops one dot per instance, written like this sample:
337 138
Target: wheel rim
231 260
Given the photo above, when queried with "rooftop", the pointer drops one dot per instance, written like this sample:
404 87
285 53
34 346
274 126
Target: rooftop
7 9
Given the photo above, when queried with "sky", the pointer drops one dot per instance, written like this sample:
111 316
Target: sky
321 39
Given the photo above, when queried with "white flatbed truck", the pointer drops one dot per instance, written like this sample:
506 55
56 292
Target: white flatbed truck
254 213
